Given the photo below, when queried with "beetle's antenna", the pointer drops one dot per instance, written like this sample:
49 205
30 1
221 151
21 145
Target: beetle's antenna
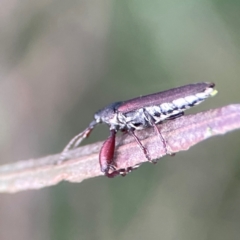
85 134
75 142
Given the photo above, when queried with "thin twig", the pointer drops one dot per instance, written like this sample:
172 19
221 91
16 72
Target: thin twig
180 134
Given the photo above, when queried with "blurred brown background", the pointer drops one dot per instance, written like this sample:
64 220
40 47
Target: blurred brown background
60 61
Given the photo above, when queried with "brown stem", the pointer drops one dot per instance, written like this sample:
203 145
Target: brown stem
180 134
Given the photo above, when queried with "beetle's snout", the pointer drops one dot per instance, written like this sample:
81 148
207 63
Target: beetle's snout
97 117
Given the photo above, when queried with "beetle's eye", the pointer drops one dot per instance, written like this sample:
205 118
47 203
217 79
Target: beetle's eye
157 114
137 124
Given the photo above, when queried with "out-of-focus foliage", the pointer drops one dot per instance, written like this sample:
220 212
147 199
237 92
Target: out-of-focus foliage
60 61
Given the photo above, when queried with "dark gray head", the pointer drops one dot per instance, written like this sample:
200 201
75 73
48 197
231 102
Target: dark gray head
107 114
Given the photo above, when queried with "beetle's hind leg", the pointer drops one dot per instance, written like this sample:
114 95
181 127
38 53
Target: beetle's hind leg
123 172
144 149
180 114
158 132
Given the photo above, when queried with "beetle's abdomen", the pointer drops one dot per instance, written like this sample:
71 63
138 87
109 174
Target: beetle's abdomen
166 110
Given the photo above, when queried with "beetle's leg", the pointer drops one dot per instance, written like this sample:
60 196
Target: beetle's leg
145 151
123 172
161 137
151 121
76 141
106 156
171 118
175 116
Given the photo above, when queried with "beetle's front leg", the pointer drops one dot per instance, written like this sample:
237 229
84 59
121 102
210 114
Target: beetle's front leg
106 156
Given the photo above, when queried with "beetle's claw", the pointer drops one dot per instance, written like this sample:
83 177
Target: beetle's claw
123 171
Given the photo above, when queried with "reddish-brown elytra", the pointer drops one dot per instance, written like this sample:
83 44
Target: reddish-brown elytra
140 113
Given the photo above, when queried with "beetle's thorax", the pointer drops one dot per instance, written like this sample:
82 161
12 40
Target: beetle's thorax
133 120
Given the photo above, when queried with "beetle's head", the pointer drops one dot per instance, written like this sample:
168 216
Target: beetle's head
107 114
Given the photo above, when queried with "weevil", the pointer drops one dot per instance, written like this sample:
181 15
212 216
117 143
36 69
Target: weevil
139 113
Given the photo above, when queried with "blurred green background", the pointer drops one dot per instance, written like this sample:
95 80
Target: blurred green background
60 61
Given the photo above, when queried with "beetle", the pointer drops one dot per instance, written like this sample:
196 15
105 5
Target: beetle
139 113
